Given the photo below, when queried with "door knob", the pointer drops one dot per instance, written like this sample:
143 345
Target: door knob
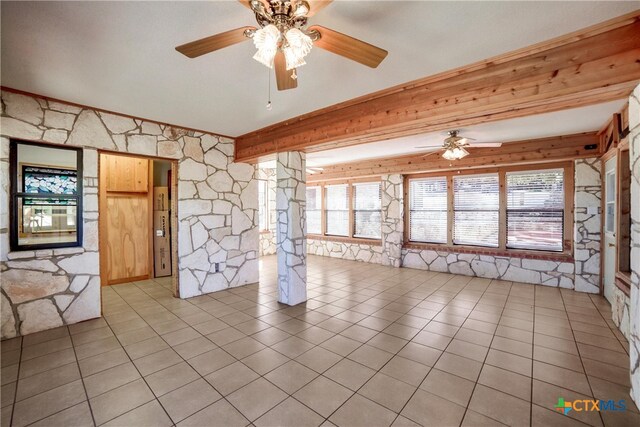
612 245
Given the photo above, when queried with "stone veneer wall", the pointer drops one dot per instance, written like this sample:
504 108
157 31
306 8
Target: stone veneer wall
392 219
634 161
268 237
291 227
217 212
349 251
581 274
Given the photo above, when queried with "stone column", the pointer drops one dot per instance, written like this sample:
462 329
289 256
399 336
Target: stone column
634 162
392 219
587 223
291 241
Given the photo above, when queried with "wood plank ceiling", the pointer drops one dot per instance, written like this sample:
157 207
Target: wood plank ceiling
597 64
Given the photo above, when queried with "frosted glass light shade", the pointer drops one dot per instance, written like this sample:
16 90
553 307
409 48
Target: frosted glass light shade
266 41
297 47
456 153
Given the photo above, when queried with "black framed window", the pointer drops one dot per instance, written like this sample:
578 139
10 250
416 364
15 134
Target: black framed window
46 196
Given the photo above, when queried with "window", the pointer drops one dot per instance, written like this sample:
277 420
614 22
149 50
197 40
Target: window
610 202
428 210
504 208
337 209
349 209
476 210
46 196
263 202
535 209
367 210
314 210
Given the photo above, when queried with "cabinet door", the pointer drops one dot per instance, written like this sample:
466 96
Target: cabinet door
127 174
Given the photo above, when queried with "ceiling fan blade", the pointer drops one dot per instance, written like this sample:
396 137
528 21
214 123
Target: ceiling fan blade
317 5
283 77
429 146
484 144
213 43
431 152
349 47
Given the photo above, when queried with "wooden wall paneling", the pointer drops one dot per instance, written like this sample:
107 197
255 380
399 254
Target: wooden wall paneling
589 66
544 150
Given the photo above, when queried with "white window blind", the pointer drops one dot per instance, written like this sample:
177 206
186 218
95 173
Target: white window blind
314 210
535 209
367 210
428 210
263 208
337 208
476 210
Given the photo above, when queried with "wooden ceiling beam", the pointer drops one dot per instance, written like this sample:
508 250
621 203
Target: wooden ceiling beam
543 150
594 65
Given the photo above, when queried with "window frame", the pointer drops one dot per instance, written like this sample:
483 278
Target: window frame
567 235
350 194
14 195
321 209
263 183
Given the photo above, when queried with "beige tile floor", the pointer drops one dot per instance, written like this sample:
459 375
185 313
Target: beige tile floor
373 346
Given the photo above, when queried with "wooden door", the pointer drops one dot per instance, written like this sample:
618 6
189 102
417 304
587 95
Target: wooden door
125 218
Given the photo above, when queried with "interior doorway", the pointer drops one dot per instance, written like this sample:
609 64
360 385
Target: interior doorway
135 219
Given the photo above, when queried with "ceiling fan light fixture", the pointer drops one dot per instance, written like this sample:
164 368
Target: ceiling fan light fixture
297 46
266 40
302 8
455 153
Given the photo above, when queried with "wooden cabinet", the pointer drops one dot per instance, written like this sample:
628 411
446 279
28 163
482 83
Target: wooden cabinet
126 198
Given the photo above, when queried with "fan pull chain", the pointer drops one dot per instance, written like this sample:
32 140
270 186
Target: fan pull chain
269 97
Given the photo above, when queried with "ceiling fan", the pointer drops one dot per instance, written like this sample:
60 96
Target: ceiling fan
283 40
454 146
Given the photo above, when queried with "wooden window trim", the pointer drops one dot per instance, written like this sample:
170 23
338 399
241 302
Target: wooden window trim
565 255
343 239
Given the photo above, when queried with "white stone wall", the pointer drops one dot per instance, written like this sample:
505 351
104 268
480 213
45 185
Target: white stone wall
621 311
268 238
634 160
535 271
392 219
349 251
587 225
291 226
217 211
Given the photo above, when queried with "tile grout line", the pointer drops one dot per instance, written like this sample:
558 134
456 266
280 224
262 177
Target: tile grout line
466 409
579 354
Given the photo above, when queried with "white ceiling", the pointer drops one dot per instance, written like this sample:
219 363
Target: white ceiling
566 122
120 56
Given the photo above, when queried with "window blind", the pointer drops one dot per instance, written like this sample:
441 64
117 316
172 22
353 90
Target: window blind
314 210
337 209
535 209
476 210
367 210
428 210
